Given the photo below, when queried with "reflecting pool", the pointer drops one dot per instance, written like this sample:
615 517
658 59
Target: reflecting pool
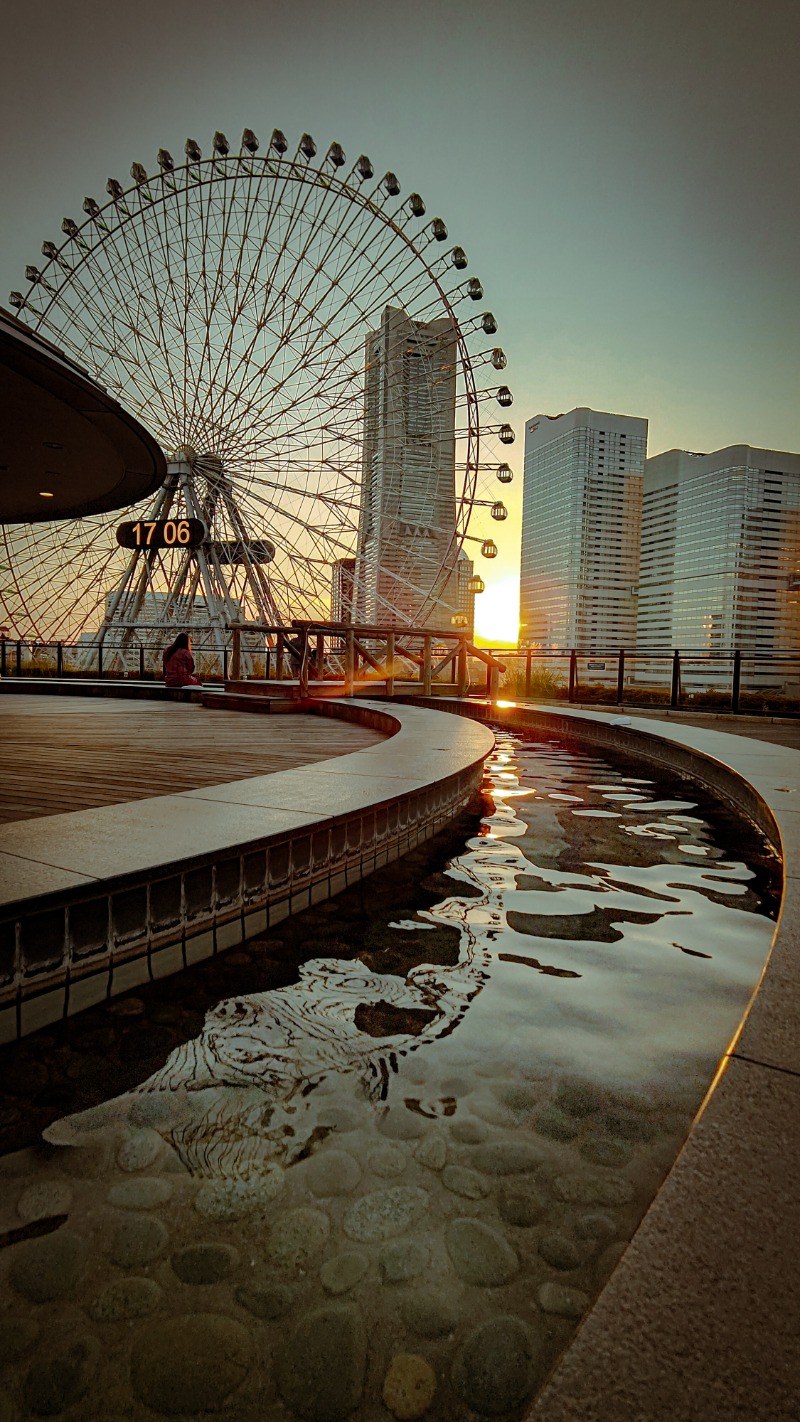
379 1163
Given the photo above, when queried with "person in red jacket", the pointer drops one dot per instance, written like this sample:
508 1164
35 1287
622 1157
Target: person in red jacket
179 663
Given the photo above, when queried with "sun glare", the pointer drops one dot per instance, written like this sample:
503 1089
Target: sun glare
497 612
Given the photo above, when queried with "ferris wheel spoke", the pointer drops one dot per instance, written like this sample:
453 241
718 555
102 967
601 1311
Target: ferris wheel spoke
227 302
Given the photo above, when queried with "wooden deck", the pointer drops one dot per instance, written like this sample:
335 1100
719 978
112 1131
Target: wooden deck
75 754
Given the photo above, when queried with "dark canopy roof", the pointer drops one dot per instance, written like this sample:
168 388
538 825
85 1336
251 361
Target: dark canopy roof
62 435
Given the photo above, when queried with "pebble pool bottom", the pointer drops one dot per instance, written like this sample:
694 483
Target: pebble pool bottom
378 1163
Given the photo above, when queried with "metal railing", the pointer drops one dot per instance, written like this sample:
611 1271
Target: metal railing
340 655
306 654
344 655
725 680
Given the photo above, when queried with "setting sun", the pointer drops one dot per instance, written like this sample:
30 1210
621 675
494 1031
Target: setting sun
497 612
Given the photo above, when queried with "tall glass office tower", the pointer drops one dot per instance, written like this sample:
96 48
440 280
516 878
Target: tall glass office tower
720 560
581 513
407 551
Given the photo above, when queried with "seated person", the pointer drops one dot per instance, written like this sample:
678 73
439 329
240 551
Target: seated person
179 663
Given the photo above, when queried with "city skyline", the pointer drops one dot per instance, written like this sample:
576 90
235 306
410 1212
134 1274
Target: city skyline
618 178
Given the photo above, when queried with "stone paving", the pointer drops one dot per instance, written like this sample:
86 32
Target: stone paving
410 1258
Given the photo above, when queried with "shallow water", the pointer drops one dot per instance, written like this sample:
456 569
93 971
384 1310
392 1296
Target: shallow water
401 1154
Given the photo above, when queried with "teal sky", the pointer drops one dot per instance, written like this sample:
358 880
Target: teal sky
623 176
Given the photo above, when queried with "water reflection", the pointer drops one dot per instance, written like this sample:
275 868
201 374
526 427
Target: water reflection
457 1115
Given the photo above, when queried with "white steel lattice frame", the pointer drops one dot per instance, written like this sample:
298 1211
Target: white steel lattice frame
226 303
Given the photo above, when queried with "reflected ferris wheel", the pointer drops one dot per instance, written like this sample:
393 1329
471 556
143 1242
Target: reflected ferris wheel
303 342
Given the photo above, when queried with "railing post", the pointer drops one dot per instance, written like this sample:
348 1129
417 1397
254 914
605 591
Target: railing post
19 658
236 658
224 663
463 667
620 677
279 645
2 656
493 679
528 673
573 675
302 676
100 661
426 667
141 661
736 681
675 689
59 659
390 664
320 656
349 661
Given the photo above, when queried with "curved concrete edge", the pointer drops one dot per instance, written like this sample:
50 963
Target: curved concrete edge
699 1320
96 902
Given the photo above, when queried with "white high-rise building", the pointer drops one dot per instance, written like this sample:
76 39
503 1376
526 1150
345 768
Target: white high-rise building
406 539
581 512
720 560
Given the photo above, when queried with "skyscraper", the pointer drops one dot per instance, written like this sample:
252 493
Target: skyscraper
406 554
581 511
720 561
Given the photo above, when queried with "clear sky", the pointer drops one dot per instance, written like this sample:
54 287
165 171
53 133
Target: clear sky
623 175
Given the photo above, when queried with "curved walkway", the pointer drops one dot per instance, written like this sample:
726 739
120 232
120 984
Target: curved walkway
95 902
60 754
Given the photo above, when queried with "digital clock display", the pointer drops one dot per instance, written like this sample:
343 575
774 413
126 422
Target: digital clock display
162 533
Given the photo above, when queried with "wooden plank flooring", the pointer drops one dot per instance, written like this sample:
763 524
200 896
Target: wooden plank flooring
77 753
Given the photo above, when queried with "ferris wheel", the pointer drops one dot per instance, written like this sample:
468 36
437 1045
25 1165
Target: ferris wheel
322 377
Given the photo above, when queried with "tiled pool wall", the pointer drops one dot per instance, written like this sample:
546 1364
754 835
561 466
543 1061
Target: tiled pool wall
63 952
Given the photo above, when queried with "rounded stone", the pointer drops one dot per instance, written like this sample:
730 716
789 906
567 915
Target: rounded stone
480 1254
48 1268
520 1204
578 1098
559 1251
48 1197
204 1263
596 1226
333 1172
609 1259
146 1193
138 1240
338 1118
400 1124
125 1298
432 1153
265 1298
507 1158
192 1363
151 1108
588 1190
388 1162
383 1214
429 1315
61 1377
139 1151
234 1199
518 1096
343 1272
460 1180
557 1124
17 1335
321 1370
566 1302
409 1386
468 1132
493 1370
297 1236
604 1150
402 1259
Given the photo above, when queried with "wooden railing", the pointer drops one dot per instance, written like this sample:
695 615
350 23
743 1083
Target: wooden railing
346 654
